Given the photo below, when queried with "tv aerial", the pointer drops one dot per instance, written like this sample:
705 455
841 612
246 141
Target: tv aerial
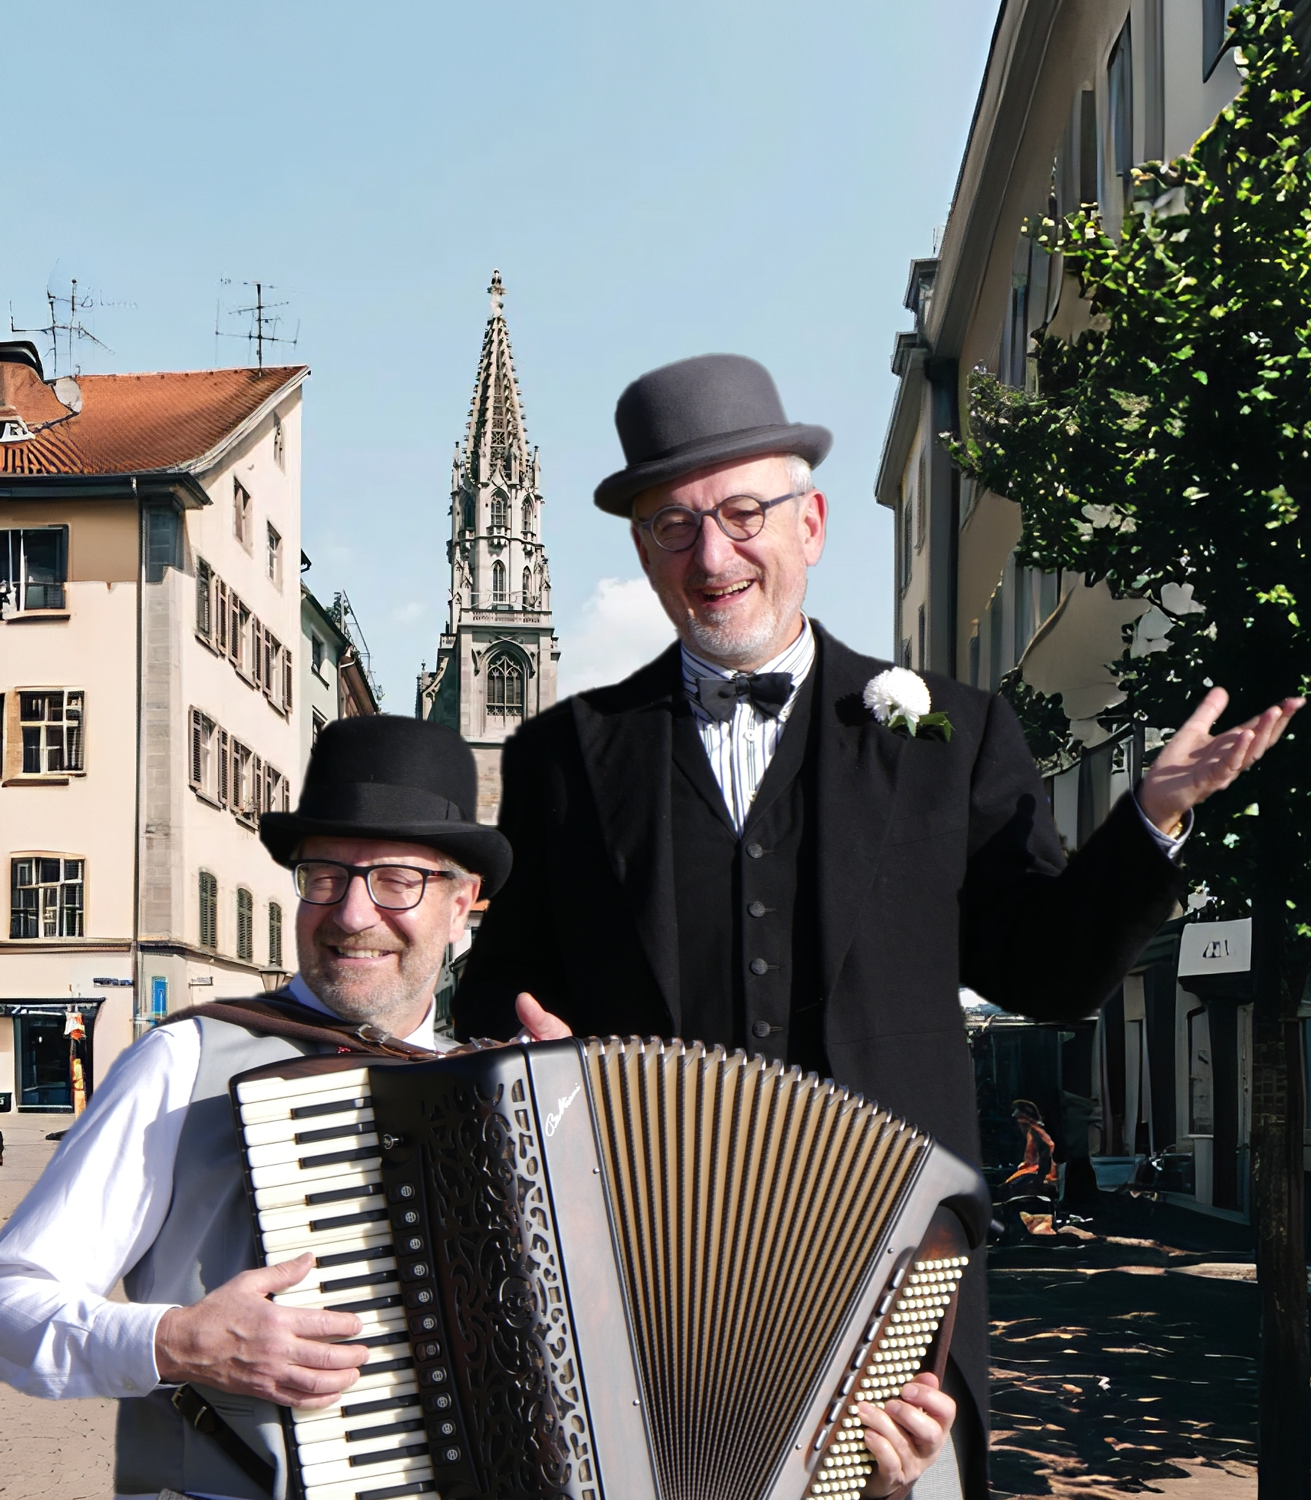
264 318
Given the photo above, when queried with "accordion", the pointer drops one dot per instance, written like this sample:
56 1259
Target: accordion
603 1270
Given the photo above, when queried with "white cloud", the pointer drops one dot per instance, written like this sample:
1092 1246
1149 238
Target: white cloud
621 627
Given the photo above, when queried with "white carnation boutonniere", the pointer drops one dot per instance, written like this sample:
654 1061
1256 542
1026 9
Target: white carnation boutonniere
901 699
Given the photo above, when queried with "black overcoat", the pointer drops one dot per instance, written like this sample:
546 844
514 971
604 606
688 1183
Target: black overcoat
938 865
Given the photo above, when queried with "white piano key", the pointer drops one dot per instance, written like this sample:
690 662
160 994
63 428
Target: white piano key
287 1130
353 1487
328 1176
257 1090
367 1476
302 1214
286 1243
361 1240
324 1106
317 1426
288 1151
334 1449
402 1384
294 1192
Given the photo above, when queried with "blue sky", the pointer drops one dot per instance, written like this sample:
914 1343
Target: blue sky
652 182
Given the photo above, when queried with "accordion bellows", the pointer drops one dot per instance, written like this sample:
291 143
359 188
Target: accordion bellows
626 1271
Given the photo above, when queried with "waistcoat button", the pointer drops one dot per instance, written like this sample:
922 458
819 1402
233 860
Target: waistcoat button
760 1028
757 908
754 850
759 966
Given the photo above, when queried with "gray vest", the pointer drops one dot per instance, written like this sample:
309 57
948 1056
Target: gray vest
205 1240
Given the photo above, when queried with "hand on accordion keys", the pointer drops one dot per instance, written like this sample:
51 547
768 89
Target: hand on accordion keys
905 1436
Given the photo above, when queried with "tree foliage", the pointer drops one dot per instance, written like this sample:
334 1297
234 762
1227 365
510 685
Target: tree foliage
1169 450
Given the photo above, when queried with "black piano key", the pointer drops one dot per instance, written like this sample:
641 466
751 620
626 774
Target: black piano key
378 1340
345 1257
340 1195
347 1283
333 1107
334 1132
391 1364
369 1408
368 1216
395 1491
366 1306
385 1455
367 1434
335 1158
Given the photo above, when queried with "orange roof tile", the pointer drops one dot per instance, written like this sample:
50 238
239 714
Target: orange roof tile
133 424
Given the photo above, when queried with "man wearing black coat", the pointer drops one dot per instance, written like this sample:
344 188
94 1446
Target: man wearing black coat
745 842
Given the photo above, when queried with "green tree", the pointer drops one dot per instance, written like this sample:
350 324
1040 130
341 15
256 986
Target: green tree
1169 452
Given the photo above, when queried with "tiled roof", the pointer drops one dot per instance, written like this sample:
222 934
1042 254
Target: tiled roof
132 424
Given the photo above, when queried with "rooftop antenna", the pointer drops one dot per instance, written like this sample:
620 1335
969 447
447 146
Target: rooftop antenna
264 321
74 328
342 614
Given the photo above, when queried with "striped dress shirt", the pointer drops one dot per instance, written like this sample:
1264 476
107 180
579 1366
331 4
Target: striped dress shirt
741 748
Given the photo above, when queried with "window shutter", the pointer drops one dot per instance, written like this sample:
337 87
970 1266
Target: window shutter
195 747
223 768
255 798
286 794
204 586
286 680
221 616
13 746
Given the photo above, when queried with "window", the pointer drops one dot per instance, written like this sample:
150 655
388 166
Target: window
222 616
288 677
317 725
274 556
203 770
1088 188
279 443
208 910
45 897
922 500
245 924
1119 84
1201 1109
505 687
238 633
498 583
907 537
256 657
529 520
34 568
241 514
316 655
204 599
49 732
500 513
275 935
245 783
923 631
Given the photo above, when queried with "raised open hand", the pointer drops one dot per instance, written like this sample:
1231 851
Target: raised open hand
1194 764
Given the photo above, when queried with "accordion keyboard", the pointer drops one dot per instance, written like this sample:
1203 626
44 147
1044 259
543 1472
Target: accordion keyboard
314 1164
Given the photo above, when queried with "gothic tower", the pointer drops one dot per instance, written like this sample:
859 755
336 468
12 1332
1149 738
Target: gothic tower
496 663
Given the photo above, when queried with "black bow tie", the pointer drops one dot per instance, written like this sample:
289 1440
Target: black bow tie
767 691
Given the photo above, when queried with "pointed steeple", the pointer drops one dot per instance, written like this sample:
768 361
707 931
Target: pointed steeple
495 438
496 663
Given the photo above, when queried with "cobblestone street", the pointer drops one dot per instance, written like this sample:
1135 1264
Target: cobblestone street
1125 1363
47 1448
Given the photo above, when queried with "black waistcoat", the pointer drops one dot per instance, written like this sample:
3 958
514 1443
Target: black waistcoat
748 951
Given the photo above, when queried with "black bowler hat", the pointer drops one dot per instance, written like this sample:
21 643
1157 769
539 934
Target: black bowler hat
697 412
380 776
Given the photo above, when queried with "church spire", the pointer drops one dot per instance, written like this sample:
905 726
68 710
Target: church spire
496 663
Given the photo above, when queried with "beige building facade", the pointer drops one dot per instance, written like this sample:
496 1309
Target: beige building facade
150 617
1075 93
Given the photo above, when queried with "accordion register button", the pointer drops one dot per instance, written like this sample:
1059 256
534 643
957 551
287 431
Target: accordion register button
438 1401
438 1375
405 1218
416 1271
426 1324
411 1245
400 1192
418 1296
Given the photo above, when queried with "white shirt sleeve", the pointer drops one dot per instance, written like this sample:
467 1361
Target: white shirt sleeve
94 1212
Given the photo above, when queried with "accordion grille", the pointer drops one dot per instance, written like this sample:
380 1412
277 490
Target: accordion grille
748 1203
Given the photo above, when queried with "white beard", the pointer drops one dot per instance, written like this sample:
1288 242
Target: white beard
732 645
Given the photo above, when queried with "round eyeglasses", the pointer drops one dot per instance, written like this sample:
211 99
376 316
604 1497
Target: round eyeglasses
324 882
675 528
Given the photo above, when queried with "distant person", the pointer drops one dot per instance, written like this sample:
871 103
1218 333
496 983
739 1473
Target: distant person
745 844
1037 1172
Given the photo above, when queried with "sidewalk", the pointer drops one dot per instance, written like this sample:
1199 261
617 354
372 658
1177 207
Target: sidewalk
47 1448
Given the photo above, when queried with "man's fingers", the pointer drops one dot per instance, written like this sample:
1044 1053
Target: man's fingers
263 1281
540 1024
316 1356
316 1323
1201 719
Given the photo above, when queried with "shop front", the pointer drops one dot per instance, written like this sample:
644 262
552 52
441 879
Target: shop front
50 1064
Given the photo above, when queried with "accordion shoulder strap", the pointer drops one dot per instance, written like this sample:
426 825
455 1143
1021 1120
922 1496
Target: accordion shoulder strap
301 1024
